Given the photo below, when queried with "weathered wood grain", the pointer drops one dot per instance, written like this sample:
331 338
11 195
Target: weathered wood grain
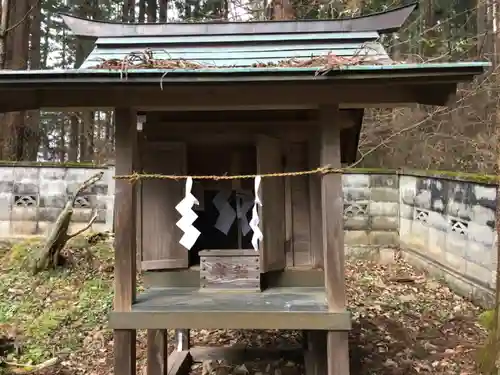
157 352
237 269
270 160
333 237
160 236
125 238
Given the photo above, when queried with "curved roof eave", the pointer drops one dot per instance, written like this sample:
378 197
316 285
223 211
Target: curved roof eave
382 22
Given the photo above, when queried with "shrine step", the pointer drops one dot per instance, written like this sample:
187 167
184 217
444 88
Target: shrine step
273 308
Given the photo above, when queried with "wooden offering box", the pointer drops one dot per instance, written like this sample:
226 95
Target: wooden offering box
229 270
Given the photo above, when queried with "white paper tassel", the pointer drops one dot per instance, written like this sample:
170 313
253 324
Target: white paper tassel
244 204
226 212
188 217
255 221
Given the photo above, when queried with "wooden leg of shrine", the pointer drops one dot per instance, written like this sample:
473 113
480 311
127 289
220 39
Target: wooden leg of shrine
125 239
333 236
315 358
157 358
182 340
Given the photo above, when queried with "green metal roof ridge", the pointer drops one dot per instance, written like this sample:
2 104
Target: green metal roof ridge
355 68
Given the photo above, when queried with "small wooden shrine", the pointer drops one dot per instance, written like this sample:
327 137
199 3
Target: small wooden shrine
254 99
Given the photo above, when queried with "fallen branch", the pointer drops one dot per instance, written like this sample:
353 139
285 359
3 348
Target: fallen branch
19 368
50 256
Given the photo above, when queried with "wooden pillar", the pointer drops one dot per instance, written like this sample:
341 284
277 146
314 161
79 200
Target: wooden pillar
182 340
333 237
315 215
157 352
315 352
125 238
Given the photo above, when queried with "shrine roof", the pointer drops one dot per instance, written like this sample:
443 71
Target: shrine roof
319 54
232 48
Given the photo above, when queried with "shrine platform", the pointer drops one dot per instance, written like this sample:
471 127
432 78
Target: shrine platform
194 308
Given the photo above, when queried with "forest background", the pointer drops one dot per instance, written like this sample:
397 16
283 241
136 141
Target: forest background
461 137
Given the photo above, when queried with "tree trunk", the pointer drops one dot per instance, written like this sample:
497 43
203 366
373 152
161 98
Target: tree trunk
163 11
32 144
17 55
151 10
142 11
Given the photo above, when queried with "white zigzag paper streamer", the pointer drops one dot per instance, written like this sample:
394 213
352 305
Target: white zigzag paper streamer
255 221
244 204
226 212
188 217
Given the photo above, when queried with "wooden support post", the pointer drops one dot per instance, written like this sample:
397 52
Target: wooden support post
182 340
315 215
333 237
125 238
315 352
157 352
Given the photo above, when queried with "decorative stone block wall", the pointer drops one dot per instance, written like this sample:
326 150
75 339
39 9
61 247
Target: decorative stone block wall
448 226
371 212
31 198
444 225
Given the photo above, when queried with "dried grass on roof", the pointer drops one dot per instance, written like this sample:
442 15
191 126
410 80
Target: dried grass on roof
146 60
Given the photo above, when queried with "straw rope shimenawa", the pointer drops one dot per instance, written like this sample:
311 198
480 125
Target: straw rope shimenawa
134 177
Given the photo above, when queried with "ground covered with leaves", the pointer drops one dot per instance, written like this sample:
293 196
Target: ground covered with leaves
403 321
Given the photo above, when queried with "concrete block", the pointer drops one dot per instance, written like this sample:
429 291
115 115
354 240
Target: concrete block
455 262
384 223
407 189
44 227
383 209
101 218
356 237
26 188
384 194
437 221
53 201
24 214
5 228
420 231
5 206
437 245
26 174
404 228
48 214
98 201
52 187
27 228
354 194
356 222
456 244
478 272
479 254
481 233
384 180
7 174
6 186
483 215
406 211
49 173
81 215
355 209
355 180
383 238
